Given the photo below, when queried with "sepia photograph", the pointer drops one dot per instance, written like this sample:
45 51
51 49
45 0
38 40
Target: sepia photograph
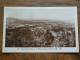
40 29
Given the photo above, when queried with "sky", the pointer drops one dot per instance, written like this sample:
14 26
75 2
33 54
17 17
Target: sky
50 13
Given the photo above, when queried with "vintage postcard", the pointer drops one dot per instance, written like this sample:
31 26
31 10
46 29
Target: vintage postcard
40 29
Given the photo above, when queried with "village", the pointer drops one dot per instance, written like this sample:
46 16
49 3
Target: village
40 35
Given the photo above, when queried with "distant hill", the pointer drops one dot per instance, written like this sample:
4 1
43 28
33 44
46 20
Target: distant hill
14 21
